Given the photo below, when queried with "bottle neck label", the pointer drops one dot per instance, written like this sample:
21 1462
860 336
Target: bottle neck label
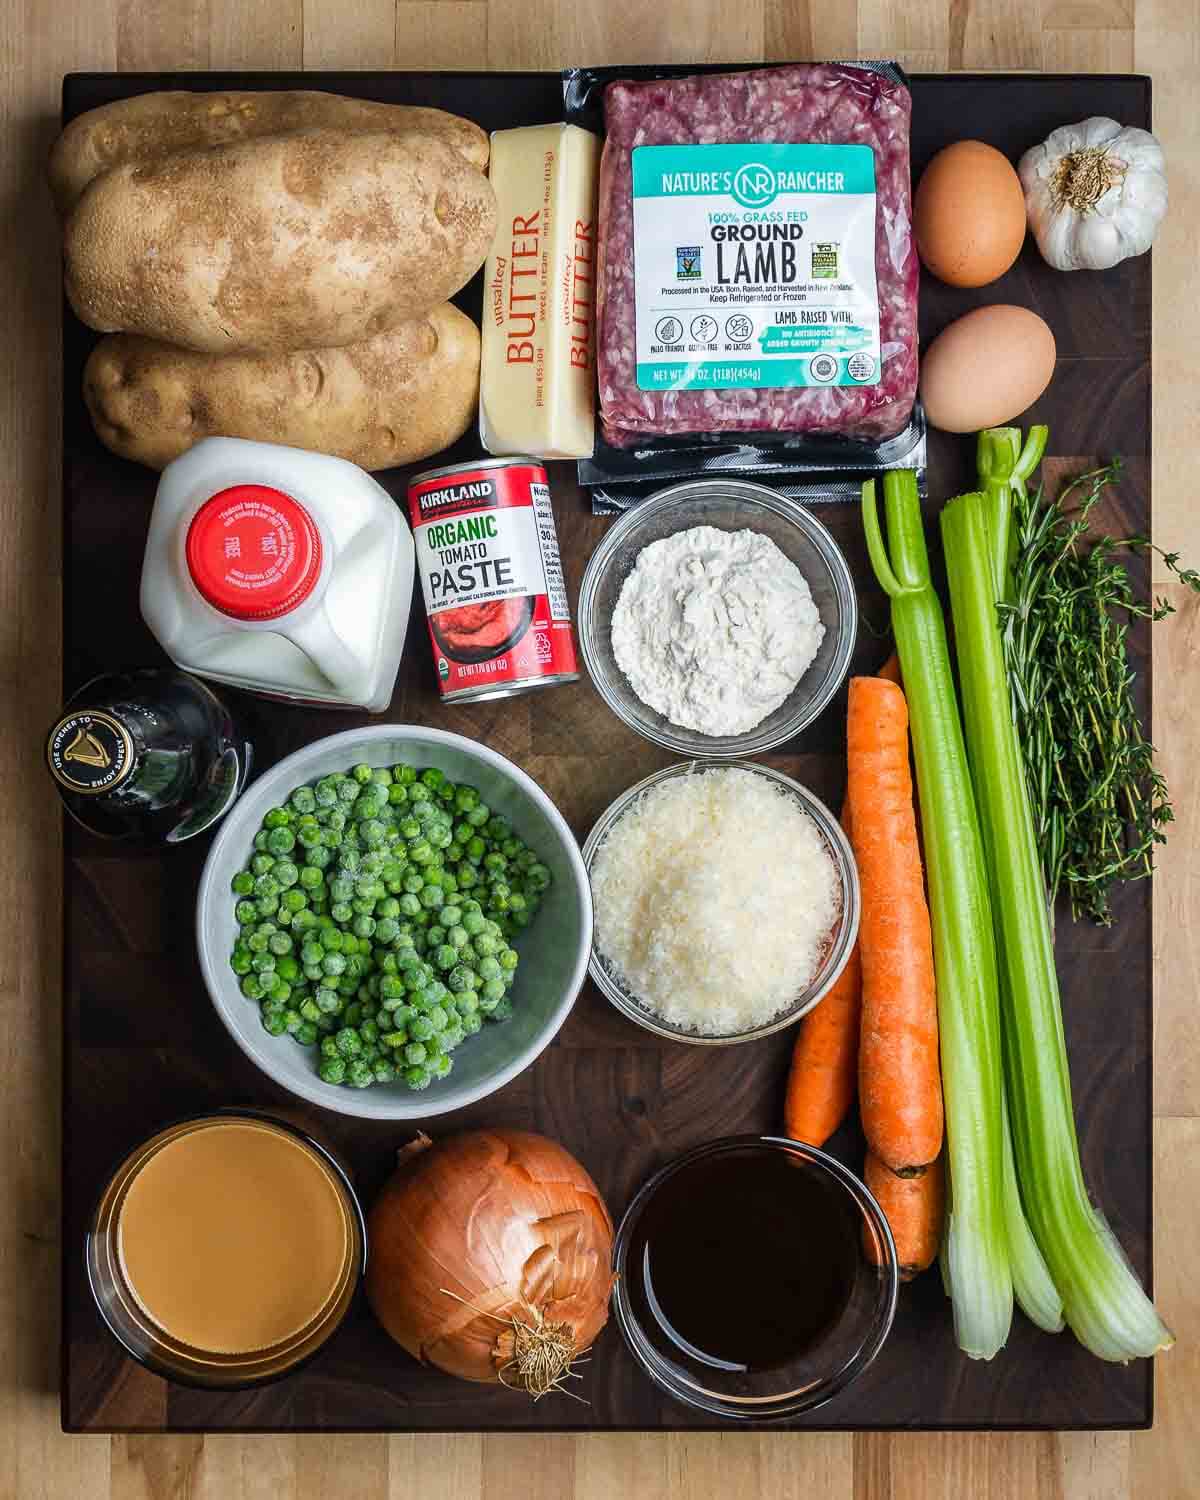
90 751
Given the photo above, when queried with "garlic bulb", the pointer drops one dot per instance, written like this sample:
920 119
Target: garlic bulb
1095 193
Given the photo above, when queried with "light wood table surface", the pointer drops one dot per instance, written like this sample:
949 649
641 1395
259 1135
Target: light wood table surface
42 39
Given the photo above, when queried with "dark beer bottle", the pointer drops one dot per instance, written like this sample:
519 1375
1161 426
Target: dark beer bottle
150 754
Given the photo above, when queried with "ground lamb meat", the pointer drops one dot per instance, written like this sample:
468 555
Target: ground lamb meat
809 103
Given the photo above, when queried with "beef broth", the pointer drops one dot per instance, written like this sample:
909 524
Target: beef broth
742 1261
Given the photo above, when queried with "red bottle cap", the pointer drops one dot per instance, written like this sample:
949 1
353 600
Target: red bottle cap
253 552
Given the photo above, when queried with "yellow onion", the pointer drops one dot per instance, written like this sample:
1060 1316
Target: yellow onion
491 1257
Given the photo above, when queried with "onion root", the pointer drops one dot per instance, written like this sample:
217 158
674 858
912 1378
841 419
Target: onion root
534 1356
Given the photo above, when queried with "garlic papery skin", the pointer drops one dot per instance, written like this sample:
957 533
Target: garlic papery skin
1095 193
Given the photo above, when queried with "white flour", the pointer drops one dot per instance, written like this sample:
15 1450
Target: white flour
714 628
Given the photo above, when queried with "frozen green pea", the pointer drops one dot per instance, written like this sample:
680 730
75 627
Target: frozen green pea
349 1043
281 841
332 1069
359 1074
327 1000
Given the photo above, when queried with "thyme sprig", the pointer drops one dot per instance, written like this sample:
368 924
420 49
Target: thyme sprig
1100 804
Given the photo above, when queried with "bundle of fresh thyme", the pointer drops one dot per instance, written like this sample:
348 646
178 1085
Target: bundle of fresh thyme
1099 802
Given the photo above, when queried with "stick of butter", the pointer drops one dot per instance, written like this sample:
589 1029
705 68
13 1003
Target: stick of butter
537 377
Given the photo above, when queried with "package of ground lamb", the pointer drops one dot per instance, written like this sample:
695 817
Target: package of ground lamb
757 270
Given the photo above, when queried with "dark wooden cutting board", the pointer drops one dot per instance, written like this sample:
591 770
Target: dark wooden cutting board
143 1044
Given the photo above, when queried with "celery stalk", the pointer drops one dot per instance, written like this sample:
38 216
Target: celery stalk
1003 465
1102 1299
1034 1288
975 1251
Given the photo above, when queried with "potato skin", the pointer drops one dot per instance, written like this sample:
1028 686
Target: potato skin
149 126
300 241
390 400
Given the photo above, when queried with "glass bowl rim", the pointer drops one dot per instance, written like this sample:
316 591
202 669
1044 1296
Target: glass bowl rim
754 741
834 835
791 1404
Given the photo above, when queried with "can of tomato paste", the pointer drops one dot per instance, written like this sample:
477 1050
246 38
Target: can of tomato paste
487 554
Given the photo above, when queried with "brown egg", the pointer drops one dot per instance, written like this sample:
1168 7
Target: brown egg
986 368
969 214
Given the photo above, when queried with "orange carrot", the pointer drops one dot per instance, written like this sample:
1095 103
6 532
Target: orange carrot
890 670
899 1083
914 1208
824 1068
821 1083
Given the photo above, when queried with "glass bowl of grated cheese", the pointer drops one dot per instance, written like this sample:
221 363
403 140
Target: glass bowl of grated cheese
717 618
725 900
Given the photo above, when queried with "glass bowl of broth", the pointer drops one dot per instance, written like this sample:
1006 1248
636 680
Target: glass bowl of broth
226 1250
756 1278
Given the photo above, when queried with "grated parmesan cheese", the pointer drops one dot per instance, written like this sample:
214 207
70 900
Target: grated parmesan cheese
714 897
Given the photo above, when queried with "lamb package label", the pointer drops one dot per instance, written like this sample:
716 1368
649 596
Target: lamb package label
754 266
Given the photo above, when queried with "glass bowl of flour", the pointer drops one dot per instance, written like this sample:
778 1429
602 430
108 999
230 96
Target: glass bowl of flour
717 618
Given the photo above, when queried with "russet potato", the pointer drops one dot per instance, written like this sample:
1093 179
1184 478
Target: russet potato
310 240
392 399
153 125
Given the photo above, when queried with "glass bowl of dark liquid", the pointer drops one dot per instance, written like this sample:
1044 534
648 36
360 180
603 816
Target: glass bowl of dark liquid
756 1277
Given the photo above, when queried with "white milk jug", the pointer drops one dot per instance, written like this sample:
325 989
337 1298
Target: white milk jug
281 571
